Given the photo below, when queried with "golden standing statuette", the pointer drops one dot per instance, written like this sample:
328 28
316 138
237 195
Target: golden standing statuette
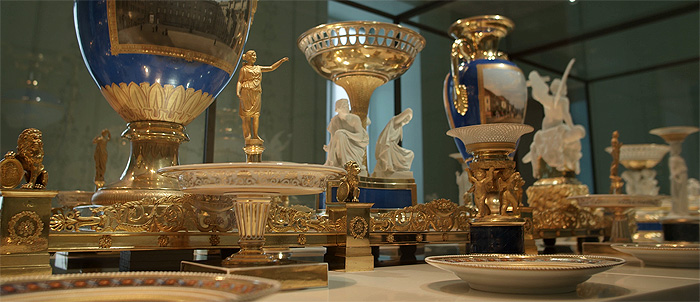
616 182
100 157
249 92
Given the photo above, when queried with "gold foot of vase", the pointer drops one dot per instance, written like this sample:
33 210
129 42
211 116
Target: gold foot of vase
154 145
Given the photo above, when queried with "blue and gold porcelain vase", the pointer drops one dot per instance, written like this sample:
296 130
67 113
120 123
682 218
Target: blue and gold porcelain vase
490 88
159 64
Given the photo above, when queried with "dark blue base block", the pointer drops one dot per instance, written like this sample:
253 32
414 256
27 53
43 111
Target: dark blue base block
497 239
681 231
382 198
384 193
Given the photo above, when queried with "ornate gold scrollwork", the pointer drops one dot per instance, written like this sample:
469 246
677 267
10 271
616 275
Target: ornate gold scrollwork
283 219
440 215
551 209
166 214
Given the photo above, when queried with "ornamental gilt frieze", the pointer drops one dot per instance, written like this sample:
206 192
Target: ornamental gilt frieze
284 219
440 215
203 213
166 214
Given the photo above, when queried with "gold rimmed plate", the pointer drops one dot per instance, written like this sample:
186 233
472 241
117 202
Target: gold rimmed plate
136 286
524 274
663 254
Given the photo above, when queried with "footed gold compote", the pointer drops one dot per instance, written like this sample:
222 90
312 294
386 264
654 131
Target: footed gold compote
360 56
640 160
497 187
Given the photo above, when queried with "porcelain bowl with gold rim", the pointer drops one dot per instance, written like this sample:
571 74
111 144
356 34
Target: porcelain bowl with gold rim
524 274
685 255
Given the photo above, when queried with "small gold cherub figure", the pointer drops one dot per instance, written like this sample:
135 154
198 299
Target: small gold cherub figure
30 155
480 183
349 188
249 91
511 193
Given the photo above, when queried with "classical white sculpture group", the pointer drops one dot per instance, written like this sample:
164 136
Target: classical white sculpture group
558 143
349 140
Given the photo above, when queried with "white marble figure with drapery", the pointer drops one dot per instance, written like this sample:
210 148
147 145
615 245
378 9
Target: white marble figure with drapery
558 143
348 138
393 161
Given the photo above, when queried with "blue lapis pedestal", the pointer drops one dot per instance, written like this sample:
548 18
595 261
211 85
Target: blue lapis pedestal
497 235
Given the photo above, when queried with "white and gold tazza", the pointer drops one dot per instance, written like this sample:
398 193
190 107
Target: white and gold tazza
675 136
640 159
619 204
360 56
252 186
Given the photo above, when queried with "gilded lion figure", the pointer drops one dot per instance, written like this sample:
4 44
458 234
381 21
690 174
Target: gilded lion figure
30 153
349 188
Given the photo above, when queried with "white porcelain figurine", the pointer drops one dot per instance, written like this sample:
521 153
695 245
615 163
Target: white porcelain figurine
348 138
558 143
393 161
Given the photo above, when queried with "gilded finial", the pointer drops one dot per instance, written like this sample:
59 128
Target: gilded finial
616 182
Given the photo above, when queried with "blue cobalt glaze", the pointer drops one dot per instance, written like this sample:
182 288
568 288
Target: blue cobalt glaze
91 25
469 76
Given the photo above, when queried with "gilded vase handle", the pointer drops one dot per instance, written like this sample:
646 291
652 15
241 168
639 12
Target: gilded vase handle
459 91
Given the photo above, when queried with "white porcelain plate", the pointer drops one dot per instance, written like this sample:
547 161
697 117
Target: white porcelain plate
524 274
136 286
265 177
663 254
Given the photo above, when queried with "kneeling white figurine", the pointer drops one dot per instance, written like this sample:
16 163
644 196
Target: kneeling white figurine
393 161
